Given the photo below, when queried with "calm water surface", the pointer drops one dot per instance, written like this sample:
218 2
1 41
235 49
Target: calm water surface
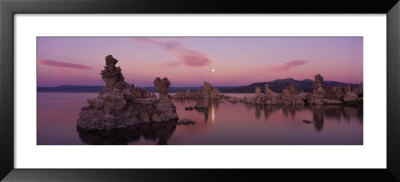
223 124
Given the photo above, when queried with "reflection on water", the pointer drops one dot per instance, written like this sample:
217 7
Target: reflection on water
204 112
319 112
221 124
159 132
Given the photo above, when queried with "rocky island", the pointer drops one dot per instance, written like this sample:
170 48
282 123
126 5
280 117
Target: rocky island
121 105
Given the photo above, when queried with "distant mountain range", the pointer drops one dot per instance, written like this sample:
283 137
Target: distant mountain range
276 85
279 85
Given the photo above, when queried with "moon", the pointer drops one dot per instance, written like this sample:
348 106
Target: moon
213 70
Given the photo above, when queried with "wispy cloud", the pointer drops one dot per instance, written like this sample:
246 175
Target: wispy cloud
286 67
63 64
166 64
188 56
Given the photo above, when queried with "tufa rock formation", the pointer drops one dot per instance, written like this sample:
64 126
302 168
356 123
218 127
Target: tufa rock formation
270 96
214 94
121 105
162 87
139 93
321 94
334 94
291 95
318 82
318 90
207 92
112 76
291 89
203 96
258 92
165 108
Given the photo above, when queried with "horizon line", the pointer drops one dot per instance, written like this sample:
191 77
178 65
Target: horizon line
202 85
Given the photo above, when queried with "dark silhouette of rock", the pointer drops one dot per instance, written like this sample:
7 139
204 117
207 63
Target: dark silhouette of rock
121 105
186 121
189 108
307 121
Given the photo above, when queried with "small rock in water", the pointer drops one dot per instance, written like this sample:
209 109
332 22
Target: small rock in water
189 108
307 121
186 121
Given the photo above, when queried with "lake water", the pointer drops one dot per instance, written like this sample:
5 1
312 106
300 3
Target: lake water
223 124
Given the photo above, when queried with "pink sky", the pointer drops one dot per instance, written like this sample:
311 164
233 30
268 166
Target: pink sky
188 61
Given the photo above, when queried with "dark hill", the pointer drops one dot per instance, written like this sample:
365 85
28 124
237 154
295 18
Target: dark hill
71 88
280 84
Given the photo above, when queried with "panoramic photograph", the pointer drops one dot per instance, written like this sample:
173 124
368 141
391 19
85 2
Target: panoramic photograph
199 90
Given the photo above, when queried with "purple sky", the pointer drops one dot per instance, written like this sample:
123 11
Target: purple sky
189 61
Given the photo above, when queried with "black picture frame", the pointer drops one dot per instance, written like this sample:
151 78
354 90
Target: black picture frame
9 8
